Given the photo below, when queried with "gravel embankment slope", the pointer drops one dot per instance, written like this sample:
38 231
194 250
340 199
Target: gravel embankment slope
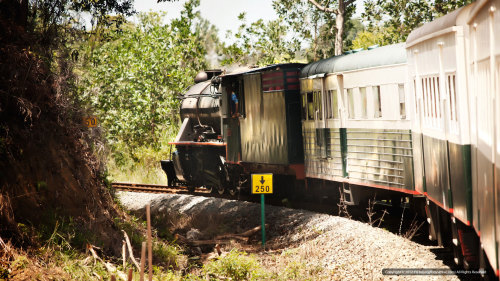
340 248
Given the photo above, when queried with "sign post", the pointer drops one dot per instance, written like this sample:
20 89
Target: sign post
262 184
263 220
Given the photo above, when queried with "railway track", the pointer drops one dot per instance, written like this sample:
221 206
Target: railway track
391 220
153 188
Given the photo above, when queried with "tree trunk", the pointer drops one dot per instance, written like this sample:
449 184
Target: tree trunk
339 22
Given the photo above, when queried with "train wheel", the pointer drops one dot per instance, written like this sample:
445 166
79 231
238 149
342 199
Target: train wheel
456 245
233 191
209 189
220 189
191 188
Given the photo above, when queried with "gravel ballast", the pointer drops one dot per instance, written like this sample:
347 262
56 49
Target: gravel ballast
342 249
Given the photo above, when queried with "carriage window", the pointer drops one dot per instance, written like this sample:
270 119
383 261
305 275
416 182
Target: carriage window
428 97
415 93
377 101
453 97
424 89
335 105
328 104
304 106
317 105
433 97
432 100
350 100
438 97
362 93
310 106
402 109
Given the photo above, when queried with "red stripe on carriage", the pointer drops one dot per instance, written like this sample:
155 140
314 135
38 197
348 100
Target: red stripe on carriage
437 202
407 191
266 76
466 222
272 82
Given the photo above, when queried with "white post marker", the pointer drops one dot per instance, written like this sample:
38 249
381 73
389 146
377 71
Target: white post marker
262 184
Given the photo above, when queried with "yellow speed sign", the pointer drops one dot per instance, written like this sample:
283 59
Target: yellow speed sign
262 183
90 121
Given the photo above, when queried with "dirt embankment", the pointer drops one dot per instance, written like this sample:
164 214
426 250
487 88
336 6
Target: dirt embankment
301 244
48 174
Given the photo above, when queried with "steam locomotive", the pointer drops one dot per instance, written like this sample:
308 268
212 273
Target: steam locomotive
415 122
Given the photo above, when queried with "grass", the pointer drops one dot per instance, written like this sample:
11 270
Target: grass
70 263
141 164
147 173
236 266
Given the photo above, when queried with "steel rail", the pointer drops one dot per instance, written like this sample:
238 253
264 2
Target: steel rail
153 188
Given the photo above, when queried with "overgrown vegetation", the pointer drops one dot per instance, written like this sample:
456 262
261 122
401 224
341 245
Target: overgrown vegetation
132 81
261 43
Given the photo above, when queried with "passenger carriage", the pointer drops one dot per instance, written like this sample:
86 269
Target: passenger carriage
483 22
438 77
453 72
355 123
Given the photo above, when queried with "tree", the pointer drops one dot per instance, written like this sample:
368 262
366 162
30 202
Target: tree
396 19
339 13
317 23
134 78
49 16
366 39
260 43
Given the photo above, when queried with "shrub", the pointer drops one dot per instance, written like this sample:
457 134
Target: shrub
236 266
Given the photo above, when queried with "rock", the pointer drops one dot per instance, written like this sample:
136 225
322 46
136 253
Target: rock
193 234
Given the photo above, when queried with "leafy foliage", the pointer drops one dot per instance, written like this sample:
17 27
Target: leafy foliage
394 20
260 43
366 39
316 28
133 79
235 266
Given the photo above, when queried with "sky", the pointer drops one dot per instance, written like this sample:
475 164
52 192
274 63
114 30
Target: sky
222 13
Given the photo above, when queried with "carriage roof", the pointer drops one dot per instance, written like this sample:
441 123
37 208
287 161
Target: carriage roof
385 55
455 18
247 70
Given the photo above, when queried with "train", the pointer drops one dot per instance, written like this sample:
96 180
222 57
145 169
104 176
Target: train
415 122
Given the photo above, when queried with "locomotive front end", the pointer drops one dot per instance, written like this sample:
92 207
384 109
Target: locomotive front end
199 147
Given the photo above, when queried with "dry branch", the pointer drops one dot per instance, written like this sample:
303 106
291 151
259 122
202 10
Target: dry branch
221 239
109 266
124 254
130 252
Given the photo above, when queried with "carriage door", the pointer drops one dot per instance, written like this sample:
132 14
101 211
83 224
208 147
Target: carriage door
319 116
